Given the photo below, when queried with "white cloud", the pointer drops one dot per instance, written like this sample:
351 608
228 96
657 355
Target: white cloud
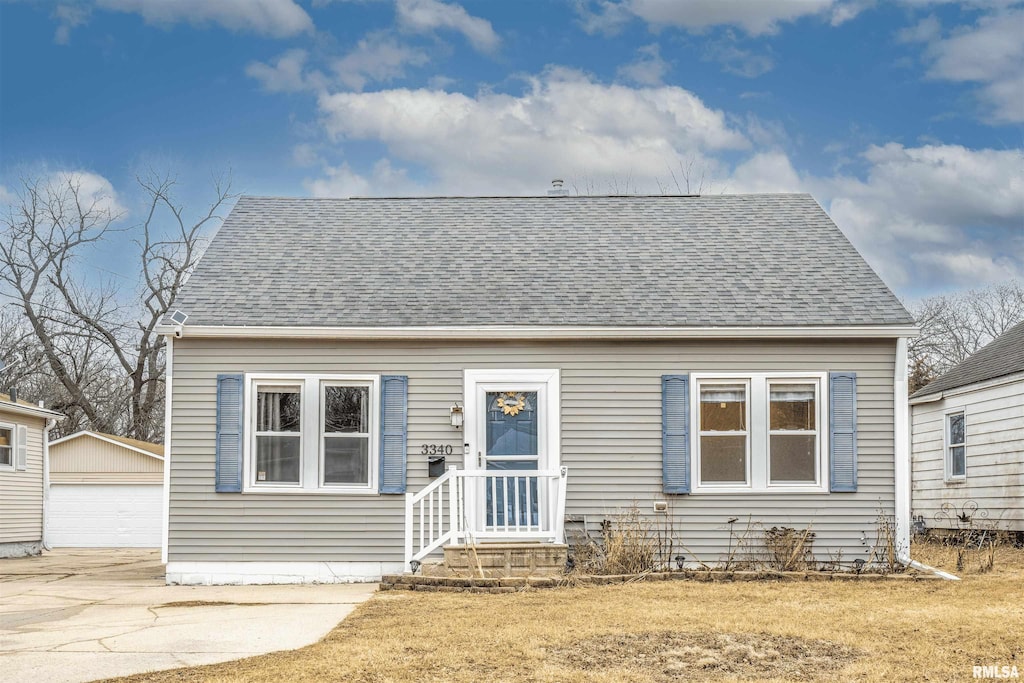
935 214
564 123
737 60
755 17
377 57
991 53
648 68
94 191
342 181
426 16
68 16
924 31
287 73
275 18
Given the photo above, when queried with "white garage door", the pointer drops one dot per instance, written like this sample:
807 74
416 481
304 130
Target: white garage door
105 515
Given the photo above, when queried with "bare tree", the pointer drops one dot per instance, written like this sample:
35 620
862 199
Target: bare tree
99 347
954 327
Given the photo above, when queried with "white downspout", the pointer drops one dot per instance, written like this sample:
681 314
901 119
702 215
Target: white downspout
901 424
168 377
50 424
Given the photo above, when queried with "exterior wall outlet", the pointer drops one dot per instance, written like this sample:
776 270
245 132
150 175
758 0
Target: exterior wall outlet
661 506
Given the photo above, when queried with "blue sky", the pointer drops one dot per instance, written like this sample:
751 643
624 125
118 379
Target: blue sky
904 118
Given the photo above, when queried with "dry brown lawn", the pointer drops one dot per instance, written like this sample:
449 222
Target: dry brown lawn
863 631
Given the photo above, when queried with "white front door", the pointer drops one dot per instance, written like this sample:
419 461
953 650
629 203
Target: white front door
511 426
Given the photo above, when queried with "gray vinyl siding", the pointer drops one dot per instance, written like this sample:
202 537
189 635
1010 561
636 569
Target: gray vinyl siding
611 441
21 492
994 422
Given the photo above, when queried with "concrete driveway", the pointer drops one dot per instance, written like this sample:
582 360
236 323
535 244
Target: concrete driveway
80 615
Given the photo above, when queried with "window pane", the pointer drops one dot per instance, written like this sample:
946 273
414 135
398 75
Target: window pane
958 466
346 460
956 428
6 447
346 409
512 423
278 409
277 459
723 459
792 457
723 408
792 407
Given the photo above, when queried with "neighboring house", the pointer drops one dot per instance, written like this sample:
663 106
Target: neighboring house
23 462
106 491
706 358
968 440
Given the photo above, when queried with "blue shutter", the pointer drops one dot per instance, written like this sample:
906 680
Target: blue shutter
675 433
842 422
394 412
229 433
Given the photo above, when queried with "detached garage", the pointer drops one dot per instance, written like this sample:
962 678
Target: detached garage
105 492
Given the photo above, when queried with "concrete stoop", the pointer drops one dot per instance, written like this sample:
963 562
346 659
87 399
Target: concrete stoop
503 560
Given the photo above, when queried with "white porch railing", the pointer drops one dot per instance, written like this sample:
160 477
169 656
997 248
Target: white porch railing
468 506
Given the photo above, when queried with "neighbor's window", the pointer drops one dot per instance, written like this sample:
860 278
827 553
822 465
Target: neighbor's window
956 446
346 434
792 432
723 433
278 434
6 446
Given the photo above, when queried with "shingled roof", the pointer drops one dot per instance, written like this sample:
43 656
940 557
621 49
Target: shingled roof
683 261
1004 356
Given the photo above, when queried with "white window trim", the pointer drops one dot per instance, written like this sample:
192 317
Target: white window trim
758 433
311 430
947 456
748 480
14 446
321 434
816 432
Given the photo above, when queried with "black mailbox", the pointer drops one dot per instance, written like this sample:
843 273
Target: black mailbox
436 465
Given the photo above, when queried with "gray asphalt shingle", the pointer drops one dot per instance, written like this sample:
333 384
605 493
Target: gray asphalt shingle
1003 356
723 260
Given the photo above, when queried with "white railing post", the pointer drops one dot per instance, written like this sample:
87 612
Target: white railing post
408 528
453 504
563 476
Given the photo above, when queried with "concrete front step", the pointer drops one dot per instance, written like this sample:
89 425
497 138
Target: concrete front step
506 559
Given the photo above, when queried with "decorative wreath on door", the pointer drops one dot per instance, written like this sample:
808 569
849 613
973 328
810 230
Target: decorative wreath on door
511 403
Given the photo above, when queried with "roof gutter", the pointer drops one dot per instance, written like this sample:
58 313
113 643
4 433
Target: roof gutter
19 409
542 332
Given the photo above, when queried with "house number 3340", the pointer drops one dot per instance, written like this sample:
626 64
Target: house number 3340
436 449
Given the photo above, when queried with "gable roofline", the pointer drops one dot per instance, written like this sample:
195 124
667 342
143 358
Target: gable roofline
541 332
26 408
115 440
1003 356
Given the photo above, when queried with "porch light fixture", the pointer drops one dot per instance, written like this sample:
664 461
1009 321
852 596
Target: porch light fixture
456 415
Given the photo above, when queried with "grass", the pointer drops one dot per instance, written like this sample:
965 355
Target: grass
661 631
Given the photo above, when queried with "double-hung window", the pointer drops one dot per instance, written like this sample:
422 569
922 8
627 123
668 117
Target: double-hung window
792 432
956 446
759 432
6 446
312 433
345 434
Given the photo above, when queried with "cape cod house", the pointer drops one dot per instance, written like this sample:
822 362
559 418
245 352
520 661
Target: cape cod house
968 441
353 384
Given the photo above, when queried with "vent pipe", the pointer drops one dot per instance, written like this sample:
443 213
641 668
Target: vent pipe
557 190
